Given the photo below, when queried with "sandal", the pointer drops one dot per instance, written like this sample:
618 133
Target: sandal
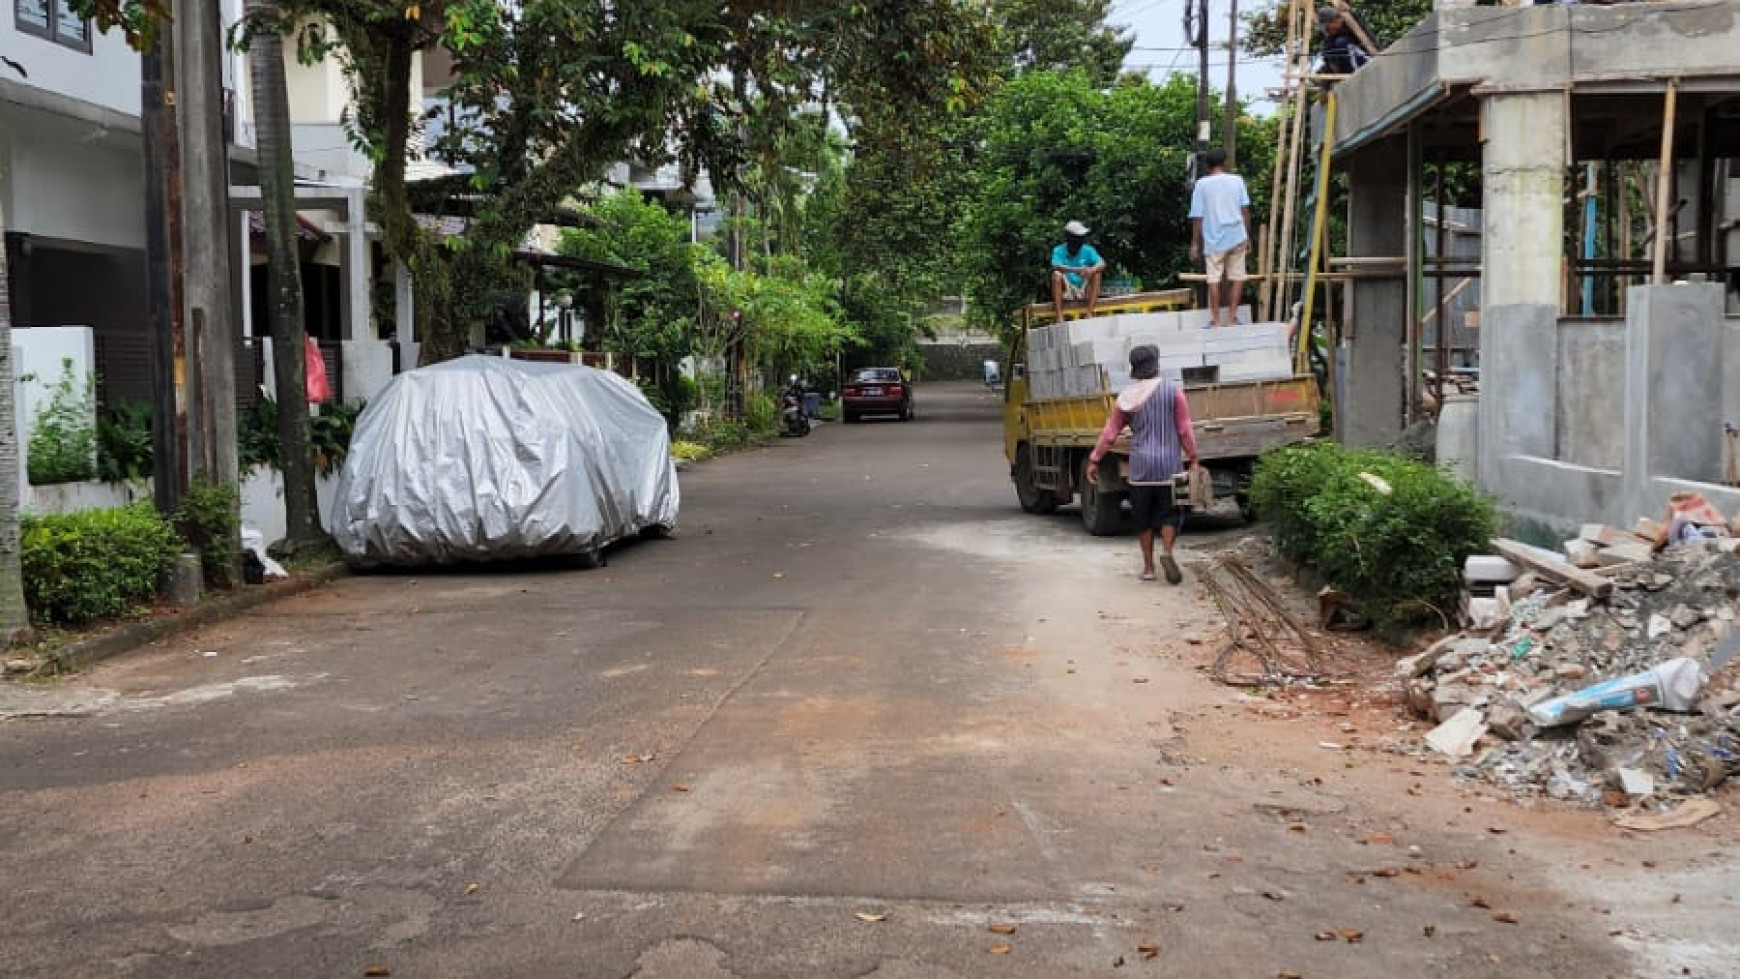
1147 576
1173 575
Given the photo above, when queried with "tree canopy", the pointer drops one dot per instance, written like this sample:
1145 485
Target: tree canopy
1055 148
1387 20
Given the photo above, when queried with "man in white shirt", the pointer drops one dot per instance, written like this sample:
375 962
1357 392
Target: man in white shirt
1220 229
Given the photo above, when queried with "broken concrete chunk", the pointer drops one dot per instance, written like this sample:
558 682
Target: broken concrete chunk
1510 722
1489 569
1625 552
1582 553
1659 625
1456 736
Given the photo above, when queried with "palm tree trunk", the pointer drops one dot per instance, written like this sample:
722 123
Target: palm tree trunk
14 617
289 338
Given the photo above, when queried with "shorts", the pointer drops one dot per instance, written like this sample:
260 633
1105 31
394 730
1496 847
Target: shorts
1154 507
1229 264
1074 291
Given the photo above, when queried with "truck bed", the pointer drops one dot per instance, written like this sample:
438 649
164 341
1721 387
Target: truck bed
1234 420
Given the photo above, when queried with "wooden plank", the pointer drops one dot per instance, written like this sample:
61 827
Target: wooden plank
1589 583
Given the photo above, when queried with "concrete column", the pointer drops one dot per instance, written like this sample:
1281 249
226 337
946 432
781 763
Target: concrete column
405 315
1523 174
358 323
1369 377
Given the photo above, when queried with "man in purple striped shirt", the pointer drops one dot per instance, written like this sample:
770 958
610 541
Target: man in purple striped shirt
1161 443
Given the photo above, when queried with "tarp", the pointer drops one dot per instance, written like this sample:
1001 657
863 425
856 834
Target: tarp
486 458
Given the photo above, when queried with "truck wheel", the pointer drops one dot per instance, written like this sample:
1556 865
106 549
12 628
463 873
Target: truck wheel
1247 510
1033 499
1101 513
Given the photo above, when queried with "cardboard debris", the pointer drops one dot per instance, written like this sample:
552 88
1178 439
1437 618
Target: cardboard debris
1456 736
1686 814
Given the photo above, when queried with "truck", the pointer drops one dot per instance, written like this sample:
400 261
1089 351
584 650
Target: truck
1245 396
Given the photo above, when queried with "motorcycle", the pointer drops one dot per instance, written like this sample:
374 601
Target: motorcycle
794 422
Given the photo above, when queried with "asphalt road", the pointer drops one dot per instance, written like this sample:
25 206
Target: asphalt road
858 710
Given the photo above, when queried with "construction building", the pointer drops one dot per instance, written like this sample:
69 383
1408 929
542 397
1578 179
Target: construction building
1608 326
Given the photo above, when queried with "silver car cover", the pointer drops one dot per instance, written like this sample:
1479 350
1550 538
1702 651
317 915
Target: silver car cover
486 458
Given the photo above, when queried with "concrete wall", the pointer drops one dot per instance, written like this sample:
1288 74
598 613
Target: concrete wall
40 356
1591 359
67 179
1537 48
1586 421
107 77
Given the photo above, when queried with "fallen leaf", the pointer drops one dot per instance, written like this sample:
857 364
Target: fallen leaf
1286 974
1481 902
1149 950
1467 864
867 916
377 970
636 759
1497 830
471 888
1275 895
1000 949
1386 872
1429 931
680 787
1140 679
1325 936
1506 917
1173 906
1353 935
1002 929
1297 828
1118 963
1380 839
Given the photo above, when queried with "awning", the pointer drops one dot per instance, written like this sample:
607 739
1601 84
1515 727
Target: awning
306 230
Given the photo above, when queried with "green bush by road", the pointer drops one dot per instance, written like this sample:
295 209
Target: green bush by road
1389 531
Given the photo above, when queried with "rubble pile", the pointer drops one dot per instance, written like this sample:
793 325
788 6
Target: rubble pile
1612 685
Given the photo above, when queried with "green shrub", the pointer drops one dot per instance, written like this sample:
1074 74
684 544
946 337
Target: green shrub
94 563
124 447
329 435
725 435
1396 548
63 442
761 413
692 451
209 519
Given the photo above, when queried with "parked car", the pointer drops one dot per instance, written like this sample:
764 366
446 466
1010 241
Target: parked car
876 391
486 458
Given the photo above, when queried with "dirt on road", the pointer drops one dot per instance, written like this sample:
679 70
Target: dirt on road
861 717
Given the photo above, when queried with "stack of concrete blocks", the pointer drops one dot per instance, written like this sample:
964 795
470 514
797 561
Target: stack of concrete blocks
1086 357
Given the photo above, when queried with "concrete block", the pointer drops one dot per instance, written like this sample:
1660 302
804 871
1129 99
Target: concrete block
1147 324
1581 553
1489 569
1623 553
1195 319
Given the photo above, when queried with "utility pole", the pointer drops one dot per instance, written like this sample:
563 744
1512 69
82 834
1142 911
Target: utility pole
1203 126
1229 136
162 309
211 340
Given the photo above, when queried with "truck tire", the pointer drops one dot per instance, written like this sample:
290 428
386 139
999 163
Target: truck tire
1033 499
1101 513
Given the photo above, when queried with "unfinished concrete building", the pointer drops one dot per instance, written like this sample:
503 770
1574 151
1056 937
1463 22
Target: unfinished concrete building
1608 337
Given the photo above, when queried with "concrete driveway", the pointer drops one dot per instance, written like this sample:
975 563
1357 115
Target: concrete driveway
859 711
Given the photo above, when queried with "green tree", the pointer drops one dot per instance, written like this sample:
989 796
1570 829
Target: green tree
1056 148
547 94
653 313
1048 35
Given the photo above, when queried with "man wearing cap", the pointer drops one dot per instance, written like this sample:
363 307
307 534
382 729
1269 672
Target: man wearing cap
1343 52
1075 270
1220 232
1161 444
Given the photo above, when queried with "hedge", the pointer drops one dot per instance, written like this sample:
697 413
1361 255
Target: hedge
94 563
1388 531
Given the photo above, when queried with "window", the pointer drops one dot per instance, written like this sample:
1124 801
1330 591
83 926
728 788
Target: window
54 20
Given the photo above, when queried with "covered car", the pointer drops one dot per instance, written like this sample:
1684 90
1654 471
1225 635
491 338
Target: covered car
486 458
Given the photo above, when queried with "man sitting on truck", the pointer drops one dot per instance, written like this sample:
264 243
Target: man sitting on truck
1075 270
1161 443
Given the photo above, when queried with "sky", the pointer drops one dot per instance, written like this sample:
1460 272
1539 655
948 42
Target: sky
1159 33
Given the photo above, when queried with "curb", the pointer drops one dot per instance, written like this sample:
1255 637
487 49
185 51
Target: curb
86 652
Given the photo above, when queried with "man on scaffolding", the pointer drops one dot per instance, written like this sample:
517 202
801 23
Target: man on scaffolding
1344 41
